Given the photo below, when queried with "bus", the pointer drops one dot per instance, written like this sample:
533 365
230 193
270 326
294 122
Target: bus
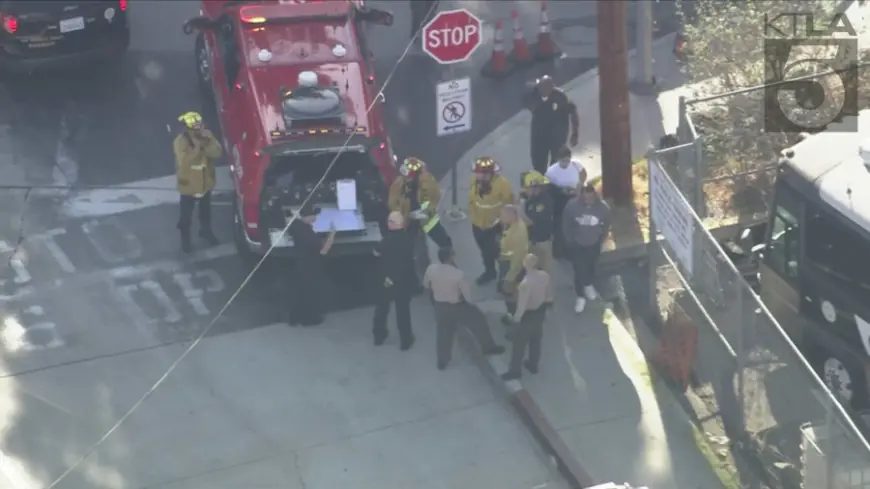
814 264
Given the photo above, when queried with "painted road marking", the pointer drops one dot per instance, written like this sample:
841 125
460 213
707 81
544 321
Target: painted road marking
124 239
88 279
135 196
146 302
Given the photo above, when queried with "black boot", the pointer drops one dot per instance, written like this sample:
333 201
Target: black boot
208 236
186 247
487 277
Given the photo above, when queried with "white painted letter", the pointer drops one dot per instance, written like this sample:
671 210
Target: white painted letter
47 238
127 240
22 276
172 314
125 293
193 295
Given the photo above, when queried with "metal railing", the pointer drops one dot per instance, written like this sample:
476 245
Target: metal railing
746 369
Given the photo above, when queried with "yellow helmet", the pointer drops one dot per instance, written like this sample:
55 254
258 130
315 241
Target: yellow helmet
533 178
411 166
485 164
190 119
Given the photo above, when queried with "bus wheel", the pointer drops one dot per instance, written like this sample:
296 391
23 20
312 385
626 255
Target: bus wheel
847 384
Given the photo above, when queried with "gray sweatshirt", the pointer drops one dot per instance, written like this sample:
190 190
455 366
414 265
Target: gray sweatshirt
585 224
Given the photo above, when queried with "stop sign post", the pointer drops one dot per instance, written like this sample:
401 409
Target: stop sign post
452 36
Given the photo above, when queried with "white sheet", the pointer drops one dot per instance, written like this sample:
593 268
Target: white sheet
346 193
343 220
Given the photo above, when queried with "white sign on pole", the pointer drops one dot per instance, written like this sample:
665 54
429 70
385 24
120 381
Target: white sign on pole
672 216
453 110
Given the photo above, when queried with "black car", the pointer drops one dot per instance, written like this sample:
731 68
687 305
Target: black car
48 33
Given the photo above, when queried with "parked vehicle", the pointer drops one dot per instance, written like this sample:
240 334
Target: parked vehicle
40 34
814 270
295 91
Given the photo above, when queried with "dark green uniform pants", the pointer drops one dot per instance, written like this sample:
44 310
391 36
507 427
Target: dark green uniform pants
447 319
528 334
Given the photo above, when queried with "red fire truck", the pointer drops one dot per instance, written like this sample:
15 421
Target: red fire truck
301 114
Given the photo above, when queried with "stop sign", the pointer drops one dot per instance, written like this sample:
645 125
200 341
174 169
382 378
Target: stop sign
452 36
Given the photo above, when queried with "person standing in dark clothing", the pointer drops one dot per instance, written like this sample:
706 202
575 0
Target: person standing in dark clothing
309 277
396 281
585 225
553 116
422 11
538 215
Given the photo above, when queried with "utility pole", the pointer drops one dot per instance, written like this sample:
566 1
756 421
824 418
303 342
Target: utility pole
613 105
644 82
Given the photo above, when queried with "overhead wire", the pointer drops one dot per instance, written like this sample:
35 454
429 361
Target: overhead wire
245 282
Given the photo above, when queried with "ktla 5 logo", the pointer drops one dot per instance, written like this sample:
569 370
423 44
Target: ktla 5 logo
796 101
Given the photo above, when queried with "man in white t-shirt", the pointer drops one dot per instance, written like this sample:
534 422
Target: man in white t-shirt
565 175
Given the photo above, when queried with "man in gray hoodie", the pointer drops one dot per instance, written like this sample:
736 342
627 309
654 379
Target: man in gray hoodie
585 224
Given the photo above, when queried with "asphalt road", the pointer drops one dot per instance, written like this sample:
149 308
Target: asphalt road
75 290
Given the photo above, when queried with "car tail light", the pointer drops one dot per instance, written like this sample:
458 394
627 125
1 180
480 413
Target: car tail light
10 23
122 5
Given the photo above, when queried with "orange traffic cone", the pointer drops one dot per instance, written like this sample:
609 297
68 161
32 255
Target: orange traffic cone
498 65
521 54
546 48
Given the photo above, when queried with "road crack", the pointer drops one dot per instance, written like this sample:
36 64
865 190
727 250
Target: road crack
298 470
22 221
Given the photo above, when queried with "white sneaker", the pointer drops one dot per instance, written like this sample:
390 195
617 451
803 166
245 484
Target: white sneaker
590 293
579 305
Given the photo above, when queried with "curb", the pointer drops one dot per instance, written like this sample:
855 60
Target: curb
531 414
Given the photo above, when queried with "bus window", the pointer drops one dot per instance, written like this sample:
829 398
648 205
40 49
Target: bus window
839 252
783 247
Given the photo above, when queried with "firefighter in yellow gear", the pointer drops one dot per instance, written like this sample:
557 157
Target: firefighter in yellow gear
513 248
196 150
488 193
415 195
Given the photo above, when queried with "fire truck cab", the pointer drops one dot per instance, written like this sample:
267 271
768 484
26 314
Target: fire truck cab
301 115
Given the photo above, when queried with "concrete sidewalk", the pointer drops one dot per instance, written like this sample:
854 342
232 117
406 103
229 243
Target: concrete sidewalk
594 402
272 407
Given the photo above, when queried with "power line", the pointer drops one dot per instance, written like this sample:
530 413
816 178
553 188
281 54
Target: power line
247 279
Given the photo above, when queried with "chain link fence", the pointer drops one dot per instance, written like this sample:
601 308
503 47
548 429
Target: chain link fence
774 408
715 188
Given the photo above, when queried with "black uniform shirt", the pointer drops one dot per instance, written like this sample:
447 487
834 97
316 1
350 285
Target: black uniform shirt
539 210
550 116
306 241
396 253
412 189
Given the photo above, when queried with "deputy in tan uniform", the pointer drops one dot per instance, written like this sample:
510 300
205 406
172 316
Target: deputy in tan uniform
451 298
196 150
513 247
529 317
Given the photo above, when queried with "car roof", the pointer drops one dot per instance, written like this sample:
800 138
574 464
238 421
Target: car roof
830 165
326 46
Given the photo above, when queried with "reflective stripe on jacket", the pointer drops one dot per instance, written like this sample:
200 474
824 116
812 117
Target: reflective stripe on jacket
427 192
194 168
483 211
